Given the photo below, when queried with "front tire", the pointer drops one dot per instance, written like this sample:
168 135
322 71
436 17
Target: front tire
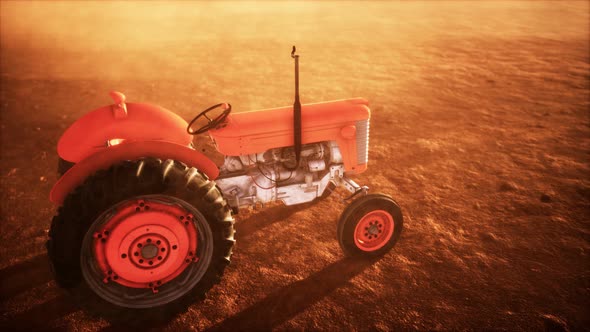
144 239
371 226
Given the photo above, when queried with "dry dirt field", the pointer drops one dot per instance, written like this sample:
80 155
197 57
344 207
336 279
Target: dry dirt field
480 130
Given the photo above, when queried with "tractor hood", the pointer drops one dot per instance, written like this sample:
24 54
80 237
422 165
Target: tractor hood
258 131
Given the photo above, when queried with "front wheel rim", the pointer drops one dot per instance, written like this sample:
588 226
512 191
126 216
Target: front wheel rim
374 230
146 251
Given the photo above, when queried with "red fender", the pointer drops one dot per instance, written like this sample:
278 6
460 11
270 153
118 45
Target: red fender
120 121
76 175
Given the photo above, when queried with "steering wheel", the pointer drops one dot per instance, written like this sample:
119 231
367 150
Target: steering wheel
213 123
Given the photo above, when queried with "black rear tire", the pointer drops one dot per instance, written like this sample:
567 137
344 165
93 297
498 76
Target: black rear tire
384 209
124 181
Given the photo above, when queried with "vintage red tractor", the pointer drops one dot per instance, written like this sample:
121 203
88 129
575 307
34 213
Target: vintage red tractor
145 221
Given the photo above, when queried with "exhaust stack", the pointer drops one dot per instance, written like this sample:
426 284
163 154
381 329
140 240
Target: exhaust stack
296 111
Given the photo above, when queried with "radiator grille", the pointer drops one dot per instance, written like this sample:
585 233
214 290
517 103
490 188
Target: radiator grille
362 141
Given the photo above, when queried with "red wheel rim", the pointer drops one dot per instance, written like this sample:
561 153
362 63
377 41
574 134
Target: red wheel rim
374 230
145 243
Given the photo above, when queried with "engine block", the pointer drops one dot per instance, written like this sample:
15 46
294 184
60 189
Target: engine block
272 175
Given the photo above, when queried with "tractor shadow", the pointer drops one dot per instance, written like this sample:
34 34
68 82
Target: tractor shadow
24 276
252 221
256 220
40 317
287 302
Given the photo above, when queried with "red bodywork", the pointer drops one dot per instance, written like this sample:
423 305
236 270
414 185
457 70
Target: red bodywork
139 122
258 131
141 130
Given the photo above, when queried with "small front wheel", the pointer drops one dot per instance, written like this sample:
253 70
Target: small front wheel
370 225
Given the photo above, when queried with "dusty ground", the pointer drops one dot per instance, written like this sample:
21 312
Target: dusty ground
480 130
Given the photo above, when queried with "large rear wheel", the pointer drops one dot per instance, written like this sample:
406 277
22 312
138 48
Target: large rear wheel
144 239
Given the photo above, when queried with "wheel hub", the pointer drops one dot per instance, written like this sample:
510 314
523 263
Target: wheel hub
150 251
373 229
146 243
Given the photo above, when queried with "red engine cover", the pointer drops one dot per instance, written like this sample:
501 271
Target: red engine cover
258 131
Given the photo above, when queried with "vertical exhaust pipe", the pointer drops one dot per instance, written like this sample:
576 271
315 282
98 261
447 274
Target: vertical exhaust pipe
296 111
